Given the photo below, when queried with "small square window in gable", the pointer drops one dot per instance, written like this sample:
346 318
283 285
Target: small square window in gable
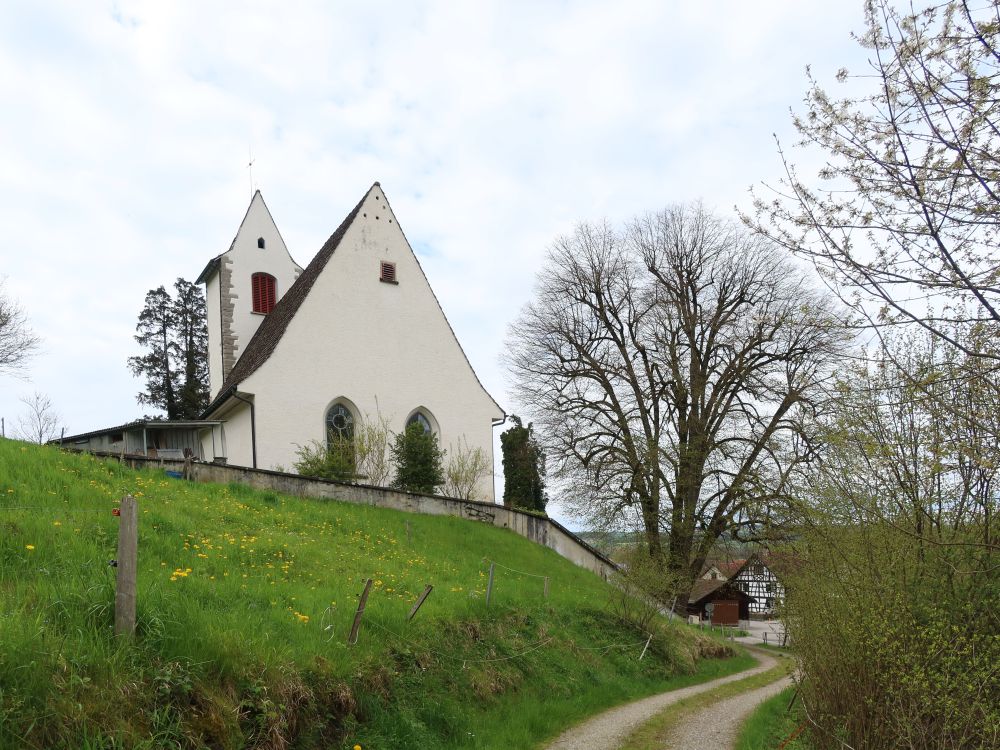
387 273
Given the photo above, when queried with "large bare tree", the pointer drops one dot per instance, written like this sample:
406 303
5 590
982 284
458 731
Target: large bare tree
906 210
671 368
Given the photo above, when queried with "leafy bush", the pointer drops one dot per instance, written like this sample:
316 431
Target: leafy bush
334 460
892 592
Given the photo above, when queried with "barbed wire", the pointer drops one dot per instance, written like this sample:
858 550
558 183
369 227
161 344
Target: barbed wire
464 660
513 570
62 509
608 648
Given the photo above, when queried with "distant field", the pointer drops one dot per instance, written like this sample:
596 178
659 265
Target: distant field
245 599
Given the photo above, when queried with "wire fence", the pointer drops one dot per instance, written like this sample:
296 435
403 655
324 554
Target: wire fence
327 624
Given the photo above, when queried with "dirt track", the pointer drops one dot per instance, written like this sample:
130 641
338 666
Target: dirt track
609 729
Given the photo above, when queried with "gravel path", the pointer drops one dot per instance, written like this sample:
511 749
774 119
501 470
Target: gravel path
716 726
609 729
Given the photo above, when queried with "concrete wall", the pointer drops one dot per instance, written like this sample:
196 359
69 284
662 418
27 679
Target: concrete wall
543 531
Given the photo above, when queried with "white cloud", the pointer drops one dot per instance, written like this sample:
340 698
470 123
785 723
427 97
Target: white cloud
492 126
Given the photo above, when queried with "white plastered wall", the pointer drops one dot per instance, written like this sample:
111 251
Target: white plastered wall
238 437
245 259
213 319
387 348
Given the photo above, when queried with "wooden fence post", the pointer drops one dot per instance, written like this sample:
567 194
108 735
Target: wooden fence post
128 549
489 585
545 593
645 647
420 600
353 637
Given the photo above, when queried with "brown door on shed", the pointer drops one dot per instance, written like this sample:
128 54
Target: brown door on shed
726 613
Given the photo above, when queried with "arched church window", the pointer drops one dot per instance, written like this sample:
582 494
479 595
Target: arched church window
263 292
260 242
419 418
339 423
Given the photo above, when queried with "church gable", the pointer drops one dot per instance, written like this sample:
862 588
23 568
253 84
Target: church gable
371 297
371 275
360 335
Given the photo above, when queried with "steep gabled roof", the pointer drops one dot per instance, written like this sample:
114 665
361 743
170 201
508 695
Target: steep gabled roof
703 589
272 328
213 265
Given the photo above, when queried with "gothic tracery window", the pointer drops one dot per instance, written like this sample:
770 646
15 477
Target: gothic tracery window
339 423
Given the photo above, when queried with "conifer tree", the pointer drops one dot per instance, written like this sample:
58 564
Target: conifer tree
172 330
523 468
155 334
192 343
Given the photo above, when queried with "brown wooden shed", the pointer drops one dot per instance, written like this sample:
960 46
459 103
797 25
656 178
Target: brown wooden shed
729 605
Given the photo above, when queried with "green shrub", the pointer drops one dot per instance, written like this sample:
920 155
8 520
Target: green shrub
335 460
418 459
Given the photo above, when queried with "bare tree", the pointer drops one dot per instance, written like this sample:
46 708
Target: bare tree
17 341
464 469
907 209
372 438
671 369
40 423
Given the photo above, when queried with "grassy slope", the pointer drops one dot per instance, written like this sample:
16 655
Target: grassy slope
771 724
245 599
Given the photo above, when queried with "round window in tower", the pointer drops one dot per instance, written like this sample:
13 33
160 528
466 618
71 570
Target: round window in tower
339 423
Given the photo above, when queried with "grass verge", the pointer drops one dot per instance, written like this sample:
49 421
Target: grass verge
653 734
245 599
772 724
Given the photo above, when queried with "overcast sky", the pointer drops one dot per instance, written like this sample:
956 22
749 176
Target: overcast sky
492 126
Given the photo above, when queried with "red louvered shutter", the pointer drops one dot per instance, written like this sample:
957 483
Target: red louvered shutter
263 292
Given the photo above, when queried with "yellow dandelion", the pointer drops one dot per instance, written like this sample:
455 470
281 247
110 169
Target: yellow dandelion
29 547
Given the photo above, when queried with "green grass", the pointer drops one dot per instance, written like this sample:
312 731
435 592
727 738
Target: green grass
786 650
245 600
771 724
653 734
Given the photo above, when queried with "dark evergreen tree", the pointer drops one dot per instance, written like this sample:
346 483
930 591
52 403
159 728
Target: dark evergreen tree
175 363
155 333
523 468
418 459
192 349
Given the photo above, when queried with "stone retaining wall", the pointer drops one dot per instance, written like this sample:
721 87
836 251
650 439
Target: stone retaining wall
538 529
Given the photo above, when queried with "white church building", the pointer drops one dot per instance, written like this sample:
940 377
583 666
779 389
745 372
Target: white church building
297 354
